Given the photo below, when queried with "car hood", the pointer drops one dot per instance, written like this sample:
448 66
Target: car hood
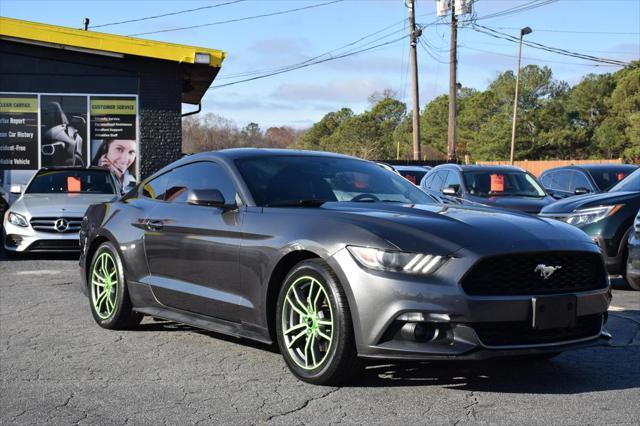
446 229
523 204
43 205
571 204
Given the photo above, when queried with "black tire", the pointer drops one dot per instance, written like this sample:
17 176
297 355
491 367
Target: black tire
340 361
121 316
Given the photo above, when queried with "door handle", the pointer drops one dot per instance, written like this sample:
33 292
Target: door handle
154 225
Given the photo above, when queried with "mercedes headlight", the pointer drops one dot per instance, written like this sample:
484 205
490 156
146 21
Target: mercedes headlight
17 219
396 261
591 215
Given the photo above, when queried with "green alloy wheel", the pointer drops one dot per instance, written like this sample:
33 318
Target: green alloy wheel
109 299
314 328
307 321
104 285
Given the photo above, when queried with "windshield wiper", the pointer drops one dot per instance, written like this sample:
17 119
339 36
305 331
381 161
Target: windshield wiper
311 202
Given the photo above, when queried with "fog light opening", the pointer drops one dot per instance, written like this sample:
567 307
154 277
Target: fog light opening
427 332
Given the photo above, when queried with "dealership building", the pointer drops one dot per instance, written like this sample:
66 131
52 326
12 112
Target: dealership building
67 94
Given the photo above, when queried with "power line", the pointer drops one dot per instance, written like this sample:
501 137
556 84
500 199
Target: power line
308 64
572 31
166 14
536 59
500 35
246 18
327 53
534 4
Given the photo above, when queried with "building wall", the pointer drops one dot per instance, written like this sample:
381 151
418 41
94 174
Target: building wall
37 69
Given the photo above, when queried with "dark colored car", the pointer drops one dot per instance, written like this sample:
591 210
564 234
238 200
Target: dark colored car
563 182
4 204
498 186
413 174
633 260
606 217
335 258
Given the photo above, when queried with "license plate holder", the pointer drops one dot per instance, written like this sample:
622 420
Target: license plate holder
553 312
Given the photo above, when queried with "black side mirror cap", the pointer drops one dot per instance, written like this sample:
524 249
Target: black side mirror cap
581 191
208 197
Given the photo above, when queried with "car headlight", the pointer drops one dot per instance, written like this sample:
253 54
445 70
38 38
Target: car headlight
17 219
591 215
396 261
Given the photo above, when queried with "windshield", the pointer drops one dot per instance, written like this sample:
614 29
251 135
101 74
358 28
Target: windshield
498 183
630 183
71 181
311 180
606 178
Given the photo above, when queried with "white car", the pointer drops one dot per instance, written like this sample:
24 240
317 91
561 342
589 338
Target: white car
48 213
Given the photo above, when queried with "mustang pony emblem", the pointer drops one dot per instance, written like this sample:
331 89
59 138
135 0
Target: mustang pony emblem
546 271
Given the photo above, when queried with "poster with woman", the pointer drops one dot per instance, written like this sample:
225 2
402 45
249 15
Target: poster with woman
114 136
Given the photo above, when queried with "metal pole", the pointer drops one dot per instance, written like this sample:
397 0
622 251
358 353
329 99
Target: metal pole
515 102
414 67
86 24
453 86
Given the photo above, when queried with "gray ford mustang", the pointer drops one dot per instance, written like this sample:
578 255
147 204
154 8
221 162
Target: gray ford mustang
336 260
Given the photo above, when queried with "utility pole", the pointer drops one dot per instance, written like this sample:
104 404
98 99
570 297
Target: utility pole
413 36
524 31
453 86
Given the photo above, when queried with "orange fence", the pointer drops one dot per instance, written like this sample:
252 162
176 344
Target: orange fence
537 167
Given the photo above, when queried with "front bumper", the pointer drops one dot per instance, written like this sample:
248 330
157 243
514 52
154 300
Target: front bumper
470 325
25 239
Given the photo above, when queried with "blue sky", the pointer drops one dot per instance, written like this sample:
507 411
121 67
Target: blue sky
604 28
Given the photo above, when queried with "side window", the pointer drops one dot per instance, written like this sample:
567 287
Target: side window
438 180
201 175
560 181
155 188
453 179
579 181
426 182
546 180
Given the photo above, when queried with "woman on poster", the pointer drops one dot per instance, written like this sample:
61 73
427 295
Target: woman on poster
119 155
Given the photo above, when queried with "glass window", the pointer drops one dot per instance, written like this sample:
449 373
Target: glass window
438 180
580 181
502 183
200 175
68 181
606 178
300 180
545 180
453 179
426 181
156 188
560 181
630 183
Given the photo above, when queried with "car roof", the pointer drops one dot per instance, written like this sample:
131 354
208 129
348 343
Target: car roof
79 168
238 153
412 168
595 167
477 168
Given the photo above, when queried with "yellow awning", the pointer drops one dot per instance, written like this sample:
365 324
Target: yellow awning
79 39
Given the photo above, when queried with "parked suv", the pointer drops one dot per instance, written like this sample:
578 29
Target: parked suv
606 217
563 182
500 186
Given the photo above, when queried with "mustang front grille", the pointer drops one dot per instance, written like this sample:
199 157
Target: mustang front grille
535 273
521 333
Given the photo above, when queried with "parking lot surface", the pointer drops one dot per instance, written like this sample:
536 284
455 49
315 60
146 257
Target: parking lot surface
58 367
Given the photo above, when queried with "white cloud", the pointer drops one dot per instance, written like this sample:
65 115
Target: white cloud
335 91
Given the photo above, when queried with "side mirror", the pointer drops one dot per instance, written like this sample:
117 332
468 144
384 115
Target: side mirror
581 191
451 190
16 189
208 197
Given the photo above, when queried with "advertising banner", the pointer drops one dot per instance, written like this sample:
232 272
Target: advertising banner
114 135
18 132
63 130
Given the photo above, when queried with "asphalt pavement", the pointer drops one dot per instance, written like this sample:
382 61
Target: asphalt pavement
58 367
